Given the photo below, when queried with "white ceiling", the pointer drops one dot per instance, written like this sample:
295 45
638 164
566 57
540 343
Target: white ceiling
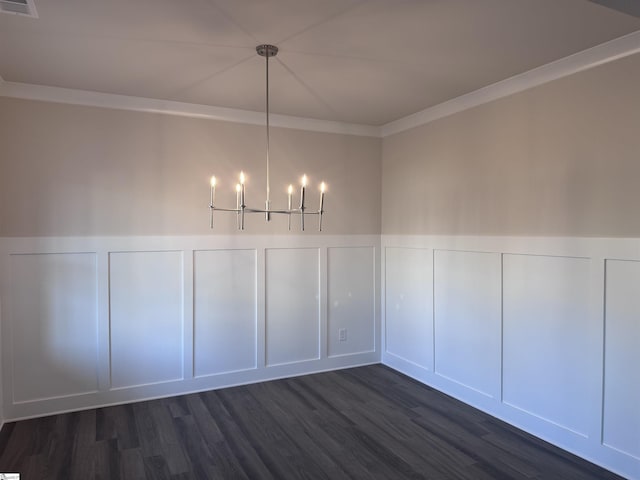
358 61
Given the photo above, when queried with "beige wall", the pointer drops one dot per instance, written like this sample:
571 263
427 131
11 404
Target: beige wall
71 171
562 159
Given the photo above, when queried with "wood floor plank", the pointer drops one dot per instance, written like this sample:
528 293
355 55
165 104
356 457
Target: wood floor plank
361 423
311 423
288 414
155 468
147 430
5 436
171 445
285 455
82 461
131 464
35 467
106 460
468 443
413 447
335 424
196 449
117 422
178 406
20 445
240 445
207 424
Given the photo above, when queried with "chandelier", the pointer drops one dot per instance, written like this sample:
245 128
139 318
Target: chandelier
241 209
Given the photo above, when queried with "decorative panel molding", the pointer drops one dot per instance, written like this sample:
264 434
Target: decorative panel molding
53 325
146 305
467 316
568 373
621 423
148 317
548 292
409 305
225 311
292 305
351 298
547 366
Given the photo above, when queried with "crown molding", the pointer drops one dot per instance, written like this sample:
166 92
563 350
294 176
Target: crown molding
584 60
149 105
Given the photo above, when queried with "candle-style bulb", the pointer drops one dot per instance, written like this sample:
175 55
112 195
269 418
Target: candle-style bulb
304 180
213 181
322 188
290 189
241 178
238 187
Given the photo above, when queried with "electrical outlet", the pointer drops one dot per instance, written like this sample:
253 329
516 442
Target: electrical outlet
342 334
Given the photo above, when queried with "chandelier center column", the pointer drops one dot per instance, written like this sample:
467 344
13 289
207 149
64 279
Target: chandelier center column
267 51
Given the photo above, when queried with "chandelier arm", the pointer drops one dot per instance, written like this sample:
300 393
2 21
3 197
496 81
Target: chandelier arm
281 212
295 211
219 209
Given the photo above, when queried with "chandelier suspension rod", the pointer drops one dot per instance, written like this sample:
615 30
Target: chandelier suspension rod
268 202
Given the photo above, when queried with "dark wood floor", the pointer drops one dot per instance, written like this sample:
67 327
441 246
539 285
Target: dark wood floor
367 422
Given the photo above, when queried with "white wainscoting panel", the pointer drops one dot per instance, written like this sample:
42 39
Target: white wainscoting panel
54 325
569 340
621 425
468 318
351 298
225 311
154 316
409 305
292 305
146 305
548 366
